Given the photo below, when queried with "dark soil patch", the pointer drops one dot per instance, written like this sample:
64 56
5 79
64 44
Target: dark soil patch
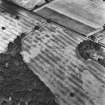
17 80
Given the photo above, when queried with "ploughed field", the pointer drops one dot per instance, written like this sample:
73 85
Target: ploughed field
50 51
46 66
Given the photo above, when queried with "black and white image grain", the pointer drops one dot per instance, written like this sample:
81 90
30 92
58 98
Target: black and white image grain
52 52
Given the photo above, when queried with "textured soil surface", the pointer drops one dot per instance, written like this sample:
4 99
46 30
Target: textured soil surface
18 84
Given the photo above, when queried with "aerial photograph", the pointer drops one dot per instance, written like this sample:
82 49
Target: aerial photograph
52 52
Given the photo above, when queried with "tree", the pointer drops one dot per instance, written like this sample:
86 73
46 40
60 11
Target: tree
87 49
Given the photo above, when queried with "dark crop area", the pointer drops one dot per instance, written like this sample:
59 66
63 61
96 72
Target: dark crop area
18 84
